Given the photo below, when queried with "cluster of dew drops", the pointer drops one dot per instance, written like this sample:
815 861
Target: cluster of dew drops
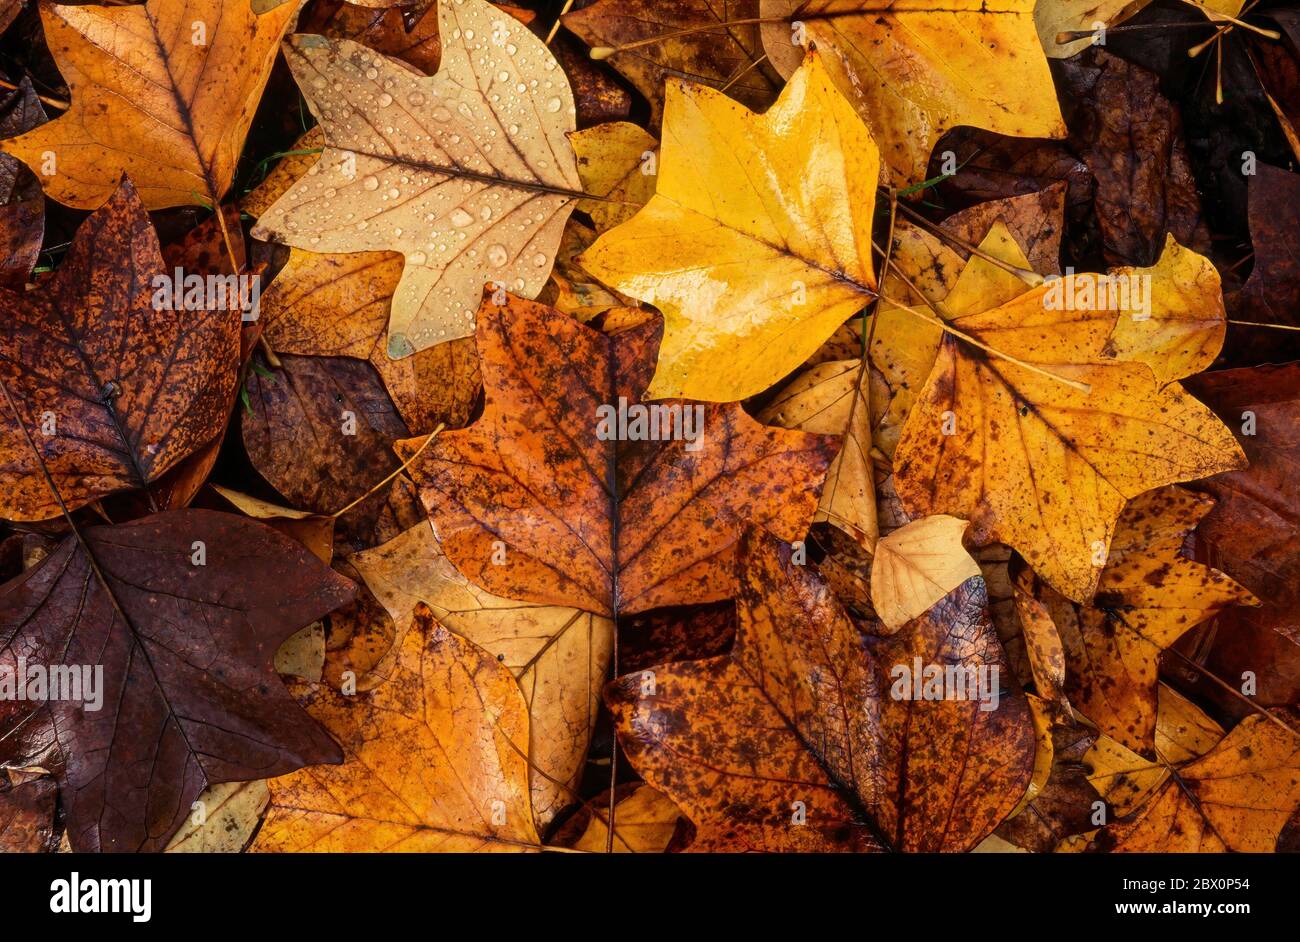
523 99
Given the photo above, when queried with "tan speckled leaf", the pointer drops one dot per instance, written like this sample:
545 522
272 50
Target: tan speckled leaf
545 499
150 101
559 655
467 173
231 812
93 330
434 760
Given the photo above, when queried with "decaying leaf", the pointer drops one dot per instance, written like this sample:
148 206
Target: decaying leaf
711 43
1148 595
467 173
329 305
27 817
798 739
178 709
162 91
757 243
113 388
434 759
562 493
320 430
1236 797
1253 533
223 821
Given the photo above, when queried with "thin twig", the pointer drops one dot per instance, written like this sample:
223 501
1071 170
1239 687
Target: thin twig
402 467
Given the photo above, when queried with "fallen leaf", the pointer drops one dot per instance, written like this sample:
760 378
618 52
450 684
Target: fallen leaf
27 817
1131 138
434 760
1126 779
703 42
184 709
467 173
916 566
22 205
313 531
1237 797
791 742
913 71
337 305
1272 293
320 430
559 655
408 33
1054 17
619 161
1042 454
113 388
1148 595
230 813
757 242
1253 533
832 399
645 821
152 101
549 498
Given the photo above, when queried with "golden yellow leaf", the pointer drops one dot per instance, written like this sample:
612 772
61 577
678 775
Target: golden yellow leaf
644 822
1126 779
618 160
915 68
467 173
434 760
559 655
1148 595
916 566
832 398
903 345
757 242
1236 797
1043 453
152 101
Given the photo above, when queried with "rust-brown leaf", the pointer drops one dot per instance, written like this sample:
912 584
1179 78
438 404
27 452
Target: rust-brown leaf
545 499
113 389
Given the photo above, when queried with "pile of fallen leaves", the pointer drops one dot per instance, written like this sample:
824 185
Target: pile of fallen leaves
651 425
